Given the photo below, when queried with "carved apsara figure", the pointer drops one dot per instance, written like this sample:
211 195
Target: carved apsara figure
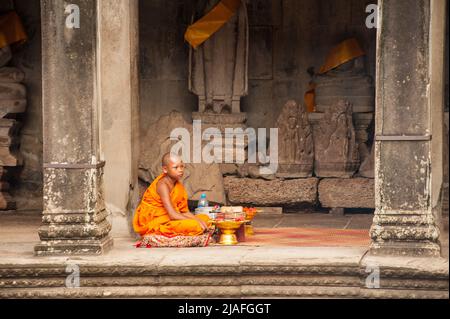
296 145
336 150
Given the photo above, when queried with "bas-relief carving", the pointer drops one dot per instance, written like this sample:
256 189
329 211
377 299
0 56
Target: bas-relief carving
13 100
296 145
336 149
350 82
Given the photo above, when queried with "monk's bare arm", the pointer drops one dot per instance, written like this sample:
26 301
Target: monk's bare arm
164 193
192 216
189 215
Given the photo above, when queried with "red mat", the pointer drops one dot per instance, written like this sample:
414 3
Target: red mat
308 237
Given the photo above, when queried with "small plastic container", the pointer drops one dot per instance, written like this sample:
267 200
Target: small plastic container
203 202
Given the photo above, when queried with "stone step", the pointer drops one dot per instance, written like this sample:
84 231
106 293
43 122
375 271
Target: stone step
294 280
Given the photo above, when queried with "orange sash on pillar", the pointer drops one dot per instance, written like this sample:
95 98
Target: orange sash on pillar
11 29
212 22
340 54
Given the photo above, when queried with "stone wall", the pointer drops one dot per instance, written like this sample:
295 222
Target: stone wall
286 38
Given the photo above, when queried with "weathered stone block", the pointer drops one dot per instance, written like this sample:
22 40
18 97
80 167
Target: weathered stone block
9 136
258 192
11 75
6 202
12 91
12 106
9 157
347 193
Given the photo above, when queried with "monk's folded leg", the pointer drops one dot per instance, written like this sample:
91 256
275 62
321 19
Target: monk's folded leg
205 218
187 227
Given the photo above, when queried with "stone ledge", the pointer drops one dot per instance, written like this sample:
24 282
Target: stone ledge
222 292
239 272
399 278
284 193
347 193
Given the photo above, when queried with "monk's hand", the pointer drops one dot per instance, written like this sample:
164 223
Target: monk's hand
203 224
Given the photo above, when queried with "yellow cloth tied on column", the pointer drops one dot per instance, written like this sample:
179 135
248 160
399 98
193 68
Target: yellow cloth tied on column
11 29
212 22
340 54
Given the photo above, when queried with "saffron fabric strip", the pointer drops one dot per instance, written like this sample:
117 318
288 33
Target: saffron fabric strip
212 22
11 30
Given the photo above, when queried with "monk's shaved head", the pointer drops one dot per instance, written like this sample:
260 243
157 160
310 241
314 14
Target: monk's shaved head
168 158
173 166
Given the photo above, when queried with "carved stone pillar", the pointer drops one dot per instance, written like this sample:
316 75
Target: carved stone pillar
405 169
74 217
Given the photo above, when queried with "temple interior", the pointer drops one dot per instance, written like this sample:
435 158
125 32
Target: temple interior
286 43
320 132
286 40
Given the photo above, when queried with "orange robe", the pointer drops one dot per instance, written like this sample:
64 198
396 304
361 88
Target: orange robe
152 218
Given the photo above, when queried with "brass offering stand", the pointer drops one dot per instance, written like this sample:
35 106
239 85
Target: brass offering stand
249 216
228 230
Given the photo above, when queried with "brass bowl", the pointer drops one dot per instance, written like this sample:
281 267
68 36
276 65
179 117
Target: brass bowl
228 230
248 223
251 215
249 231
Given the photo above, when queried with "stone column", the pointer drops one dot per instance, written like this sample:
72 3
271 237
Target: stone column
405 222
74 218
119 95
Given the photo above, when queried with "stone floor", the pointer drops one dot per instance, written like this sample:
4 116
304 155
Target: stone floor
18 235
18 231
315 220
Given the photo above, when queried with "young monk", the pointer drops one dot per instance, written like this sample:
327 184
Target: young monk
164 206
